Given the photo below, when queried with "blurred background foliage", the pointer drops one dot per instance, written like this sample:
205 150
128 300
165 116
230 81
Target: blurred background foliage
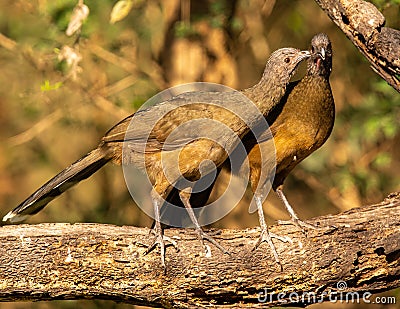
52 112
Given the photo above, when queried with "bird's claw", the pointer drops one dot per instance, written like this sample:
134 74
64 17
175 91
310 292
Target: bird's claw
159 240
204 236
302 225
281 238
156 242
266 236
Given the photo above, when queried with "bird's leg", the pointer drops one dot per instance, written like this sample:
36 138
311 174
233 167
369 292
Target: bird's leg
265 235
158 230
294 218
185 198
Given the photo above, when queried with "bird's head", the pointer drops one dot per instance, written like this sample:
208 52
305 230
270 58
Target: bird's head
320 62
282 64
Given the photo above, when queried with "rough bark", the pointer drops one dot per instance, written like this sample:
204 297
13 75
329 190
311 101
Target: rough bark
364 24
84 261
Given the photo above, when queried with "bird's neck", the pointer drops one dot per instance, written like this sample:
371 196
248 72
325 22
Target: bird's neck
265 95
311 99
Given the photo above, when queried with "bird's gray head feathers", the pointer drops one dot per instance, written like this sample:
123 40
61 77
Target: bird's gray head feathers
282 64
320 61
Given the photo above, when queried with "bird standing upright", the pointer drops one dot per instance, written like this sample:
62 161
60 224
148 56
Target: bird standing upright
147 148
300 124
313 124
303 125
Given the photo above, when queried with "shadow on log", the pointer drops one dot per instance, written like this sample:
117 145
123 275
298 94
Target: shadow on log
86 261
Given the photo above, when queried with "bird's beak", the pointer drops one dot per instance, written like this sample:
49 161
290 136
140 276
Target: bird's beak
321 53
304 54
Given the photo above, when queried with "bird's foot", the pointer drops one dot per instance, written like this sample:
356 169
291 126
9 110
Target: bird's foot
204 236
281 238
159 240
304 226
266 236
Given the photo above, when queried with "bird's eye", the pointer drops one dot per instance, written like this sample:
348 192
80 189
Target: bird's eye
287 60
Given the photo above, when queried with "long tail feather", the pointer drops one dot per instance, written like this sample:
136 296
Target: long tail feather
80 170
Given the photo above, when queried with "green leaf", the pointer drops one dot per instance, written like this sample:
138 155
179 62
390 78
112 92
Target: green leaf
46 86
120 10
383 159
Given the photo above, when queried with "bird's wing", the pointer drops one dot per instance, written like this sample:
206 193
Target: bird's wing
174 123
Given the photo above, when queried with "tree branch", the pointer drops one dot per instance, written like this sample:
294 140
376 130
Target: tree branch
85 261
363 24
